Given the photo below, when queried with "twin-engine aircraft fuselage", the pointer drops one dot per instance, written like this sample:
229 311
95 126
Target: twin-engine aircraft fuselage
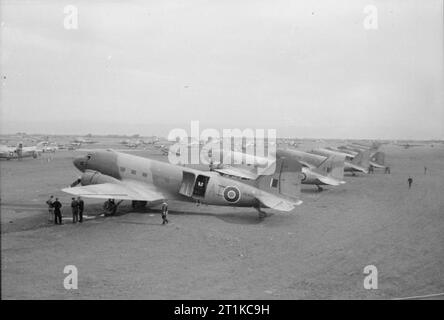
111 174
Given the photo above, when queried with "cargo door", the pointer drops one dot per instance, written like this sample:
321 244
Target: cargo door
187 186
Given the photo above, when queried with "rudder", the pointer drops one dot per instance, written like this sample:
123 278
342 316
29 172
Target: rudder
286 179
333 166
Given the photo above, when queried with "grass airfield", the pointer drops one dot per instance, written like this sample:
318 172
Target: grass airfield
317 251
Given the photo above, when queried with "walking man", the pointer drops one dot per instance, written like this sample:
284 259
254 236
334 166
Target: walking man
164 213
410 181
75 210
50 203
57 212
81 204
425 170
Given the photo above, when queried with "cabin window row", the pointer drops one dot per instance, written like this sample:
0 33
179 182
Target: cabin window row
134 172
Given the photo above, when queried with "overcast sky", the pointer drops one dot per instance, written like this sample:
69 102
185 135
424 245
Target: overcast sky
307 70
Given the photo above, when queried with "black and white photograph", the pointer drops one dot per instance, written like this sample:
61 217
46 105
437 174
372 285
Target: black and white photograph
198 151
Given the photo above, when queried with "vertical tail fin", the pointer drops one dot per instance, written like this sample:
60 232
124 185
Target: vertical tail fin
362 159
379 158
286 179
333 166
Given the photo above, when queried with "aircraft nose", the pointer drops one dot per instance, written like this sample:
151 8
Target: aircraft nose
80 163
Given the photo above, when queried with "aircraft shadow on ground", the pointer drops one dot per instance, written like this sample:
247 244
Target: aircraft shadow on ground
246 218
358 175
331 190
229 217
313 191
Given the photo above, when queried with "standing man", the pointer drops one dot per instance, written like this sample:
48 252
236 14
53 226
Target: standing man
81 205
50 203
57 213
75 210
164 213
425 170
410 181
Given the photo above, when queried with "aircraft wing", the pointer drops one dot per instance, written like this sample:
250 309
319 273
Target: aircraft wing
239 172
306 164
330 180
277 203
126 190
377 165
356 167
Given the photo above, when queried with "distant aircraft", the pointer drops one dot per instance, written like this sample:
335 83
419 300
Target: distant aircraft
74 145
408 145
110 174
327 171
359 163
132 143
151 140
83 141
45 146
18 152
320 170
376 158
367 145
162 147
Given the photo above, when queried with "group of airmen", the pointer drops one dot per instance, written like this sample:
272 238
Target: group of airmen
55 210
77 207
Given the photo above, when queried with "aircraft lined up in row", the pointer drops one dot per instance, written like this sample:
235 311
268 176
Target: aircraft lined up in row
315 170
376 157
109 174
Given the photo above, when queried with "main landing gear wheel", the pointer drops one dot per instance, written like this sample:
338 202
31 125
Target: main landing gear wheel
320 188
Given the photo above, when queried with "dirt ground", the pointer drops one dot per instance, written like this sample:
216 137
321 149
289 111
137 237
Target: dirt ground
317 251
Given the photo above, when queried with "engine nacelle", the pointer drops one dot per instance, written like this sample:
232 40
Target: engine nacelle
95 177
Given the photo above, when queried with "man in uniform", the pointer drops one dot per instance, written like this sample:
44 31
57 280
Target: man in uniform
164 213
57 213
50 202
81 205
410 181
75 210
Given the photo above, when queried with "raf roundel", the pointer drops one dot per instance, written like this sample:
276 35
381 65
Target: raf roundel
232 194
